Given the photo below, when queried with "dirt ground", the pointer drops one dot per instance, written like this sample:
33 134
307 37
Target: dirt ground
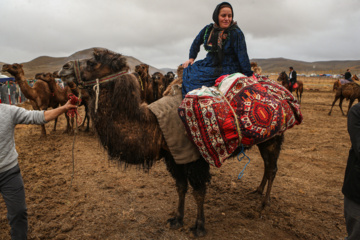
107 201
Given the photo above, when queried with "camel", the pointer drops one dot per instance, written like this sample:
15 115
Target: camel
338 83
255 68
348 91
39 95
284 79
59 95
159 85
147 90
130 132
169 77
83 94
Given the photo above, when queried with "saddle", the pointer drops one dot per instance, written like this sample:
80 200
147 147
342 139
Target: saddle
237 111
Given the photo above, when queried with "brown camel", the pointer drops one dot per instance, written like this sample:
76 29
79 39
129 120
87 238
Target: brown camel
338 83
39 95
169 77
84 101
284 79
255 68
58 95
130 133
159 85
147 90
348 91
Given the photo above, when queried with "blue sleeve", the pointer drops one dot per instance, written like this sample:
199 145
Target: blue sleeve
195 46
239 44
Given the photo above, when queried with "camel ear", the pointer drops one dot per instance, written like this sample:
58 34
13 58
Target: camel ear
21 65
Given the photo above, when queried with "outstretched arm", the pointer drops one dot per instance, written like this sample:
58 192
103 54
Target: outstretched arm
54 113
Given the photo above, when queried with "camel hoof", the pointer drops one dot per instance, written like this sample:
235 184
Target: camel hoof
257 191
175 223
198 231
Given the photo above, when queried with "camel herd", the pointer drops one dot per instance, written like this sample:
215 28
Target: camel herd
129 131
46 93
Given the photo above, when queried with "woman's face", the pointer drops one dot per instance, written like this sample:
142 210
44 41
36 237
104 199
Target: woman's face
225 17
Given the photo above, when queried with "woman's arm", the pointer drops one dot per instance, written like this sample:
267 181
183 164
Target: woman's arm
54 113
195 47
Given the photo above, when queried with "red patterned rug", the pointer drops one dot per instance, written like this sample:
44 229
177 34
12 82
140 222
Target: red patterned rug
262 107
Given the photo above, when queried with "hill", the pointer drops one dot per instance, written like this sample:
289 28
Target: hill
276 65
51 64
270 65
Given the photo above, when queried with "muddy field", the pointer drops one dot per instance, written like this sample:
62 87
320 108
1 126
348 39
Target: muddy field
107 201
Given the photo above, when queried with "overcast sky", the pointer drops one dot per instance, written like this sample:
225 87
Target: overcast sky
160 32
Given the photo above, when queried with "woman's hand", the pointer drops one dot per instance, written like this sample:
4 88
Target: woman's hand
190 61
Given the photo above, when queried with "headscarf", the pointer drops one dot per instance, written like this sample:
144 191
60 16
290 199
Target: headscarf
217 11
218 35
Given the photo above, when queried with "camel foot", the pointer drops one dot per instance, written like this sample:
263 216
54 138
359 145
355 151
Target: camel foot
257 191
42 137
198 230
175 223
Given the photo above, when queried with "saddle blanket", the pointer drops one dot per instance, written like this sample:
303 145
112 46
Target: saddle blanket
344 81
237 110
165 110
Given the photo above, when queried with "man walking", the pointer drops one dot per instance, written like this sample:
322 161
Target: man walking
11 182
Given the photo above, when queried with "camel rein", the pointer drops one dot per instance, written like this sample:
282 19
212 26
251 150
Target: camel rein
95 83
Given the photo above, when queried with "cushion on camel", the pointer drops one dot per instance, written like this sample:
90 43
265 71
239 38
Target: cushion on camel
237 110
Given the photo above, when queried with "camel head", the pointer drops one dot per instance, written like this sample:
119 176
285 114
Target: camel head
46 77
255 68
355 77
56 74
142 70
170 76
13 69
103 63
38 75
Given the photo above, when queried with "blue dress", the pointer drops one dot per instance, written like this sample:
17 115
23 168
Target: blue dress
204 72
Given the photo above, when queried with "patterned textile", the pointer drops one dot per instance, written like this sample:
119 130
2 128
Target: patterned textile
263 109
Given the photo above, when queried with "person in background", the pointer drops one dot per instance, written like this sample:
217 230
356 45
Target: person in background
292 78
227 53
351 185
4 93
11 182
12 86
348 75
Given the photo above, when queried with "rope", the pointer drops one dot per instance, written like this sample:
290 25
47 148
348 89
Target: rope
244 155
73 113
96 89
235 116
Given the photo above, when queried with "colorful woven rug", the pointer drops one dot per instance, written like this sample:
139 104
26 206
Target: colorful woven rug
237 110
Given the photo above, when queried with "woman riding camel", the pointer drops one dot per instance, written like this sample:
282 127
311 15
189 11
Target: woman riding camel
225 43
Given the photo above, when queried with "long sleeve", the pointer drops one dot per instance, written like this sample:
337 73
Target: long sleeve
195 46
241 52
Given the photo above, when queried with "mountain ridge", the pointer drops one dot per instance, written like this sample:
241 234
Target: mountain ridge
268 65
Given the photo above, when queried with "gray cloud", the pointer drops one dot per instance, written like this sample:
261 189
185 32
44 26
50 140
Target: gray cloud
160 32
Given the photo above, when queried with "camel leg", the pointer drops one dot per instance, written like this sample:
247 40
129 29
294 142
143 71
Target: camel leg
350 104
199 176
68 128
336 98
55 122
179 174
340 105
270 151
